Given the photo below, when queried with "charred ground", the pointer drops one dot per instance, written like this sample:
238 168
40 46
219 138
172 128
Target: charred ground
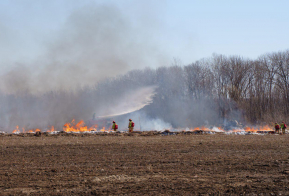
75 164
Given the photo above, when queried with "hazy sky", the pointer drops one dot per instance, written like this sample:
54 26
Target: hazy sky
186 29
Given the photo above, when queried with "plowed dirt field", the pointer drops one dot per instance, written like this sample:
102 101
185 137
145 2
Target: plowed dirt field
144 165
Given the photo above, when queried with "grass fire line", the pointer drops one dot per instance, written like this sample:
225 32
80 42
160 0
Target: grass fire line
81 127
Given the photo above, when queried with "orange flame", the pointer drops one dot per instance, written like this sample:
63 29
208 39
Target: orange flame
51 130
79 127
247 129
16 130
263 128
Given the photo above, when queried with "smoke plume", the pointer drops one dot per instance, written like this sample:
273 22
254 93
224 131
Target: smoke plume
95 42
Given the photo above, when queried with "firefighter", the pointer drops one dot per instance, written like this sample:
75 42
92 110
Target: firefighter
114 126
277 128
130 126
283 127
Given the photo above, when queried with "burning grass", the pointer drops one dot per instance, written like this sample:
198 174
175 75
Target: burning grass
81 127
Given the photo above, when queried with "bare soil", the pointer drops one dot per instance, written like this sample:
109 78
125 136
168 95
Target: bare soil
72 164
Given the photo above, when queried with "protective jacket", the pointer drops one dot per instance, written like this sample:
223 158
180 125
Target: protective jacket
130 124
282 126
113 125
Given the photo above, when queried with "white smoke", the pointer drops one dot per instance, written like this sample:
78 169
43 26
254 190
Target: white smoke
96 42
129 102
155 124
216 129
143 122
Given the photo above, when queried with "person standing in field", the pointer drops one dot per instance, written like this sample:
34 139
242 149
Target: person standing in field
283 127
277 128
130 126
114 126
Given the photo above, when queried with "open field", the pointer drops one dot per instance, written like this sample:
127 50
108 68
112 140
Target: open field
144 165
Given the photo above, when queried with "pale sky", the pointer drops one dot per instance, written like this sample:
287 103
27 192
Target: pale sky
186 29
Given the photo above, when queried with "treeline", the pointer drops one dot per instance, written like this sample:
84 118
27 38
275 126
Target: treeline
207 92
220 88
